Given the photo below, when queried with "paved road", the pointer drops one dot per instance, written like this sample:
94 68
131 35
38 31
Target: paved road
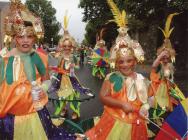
92 107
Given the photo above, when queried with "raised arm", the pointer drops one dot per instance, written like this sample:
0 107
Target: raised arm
158 59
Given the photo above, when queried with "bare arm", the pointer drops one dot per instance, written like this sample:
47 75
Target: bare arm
156 63
158 59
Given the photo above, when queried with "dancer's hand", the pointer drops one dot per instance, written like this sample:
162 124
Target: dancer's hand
72 65
143 112
80 136
42 95
127 107
160 58
163 54
151 101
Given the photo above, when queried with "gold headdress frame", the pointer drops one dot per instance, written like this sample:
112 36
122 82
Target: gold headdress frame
124 47
167 43
14 21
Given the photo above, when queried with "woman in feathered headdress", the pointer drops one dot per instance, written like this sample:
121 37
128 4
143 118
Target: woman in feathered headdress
165 91
66 84
123 93
100 57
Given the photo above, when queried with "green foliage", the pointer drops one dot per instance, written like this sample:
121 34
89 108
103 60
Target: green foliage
97 14
44 9
141 14
144 18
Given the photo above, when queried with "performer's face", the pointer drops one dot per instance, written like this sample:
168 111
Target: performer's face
67 46
166 58
126 64
24 42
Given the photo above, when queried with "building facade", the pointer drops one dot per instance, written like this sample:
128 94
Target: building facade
4 6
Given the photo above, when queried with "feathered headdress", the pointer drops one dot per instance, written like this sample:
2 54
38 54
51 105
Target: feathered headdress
66 35
66 21
14 22
119 17
167 32
123 38
128 44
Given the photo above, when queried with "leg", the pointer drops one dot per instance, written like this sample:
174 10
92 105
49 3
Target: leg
75 105
59 108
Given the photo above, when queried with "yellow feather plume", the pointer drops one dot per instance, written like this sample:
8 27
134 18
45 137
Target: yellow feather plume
119 18
66 20
123 17
167 31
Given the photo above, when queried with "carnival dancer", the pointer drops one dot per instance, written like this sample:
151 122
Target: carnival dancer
24 81
65 83
165 92
100 57
123 93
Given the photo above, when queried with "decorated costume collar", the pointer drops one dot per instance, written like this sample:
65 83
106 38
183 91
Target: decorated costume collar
30 61
136 88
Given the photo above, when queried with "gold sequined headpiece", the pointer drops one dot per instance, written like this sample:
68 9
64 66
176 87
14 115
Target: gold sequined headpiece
16 20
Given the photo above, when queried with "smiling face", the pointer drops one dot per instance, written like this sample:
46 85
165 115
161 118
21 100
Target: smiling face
126 64
66 46
24 43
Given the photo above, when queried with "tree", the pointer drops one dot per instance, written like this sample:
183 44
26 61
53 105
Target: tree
44 9
144 17
96 13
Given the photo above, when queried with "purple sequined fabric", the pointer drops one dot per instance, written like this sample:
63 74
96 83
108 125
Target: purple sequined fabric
78 87
53 132
7 127
56 83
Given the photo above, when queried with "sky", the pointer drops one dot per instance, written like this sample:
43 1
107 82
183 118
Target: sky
76 27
